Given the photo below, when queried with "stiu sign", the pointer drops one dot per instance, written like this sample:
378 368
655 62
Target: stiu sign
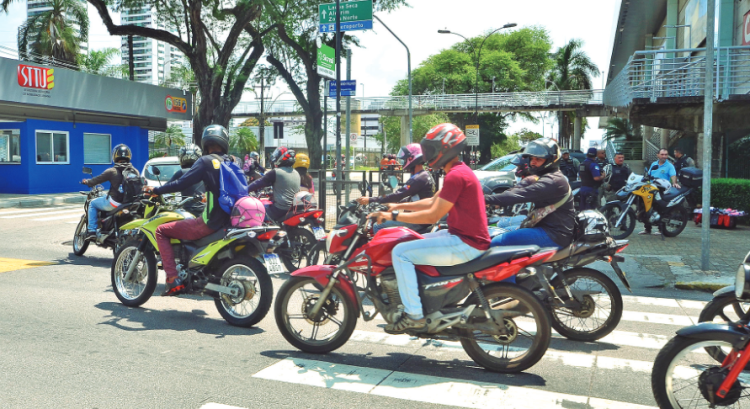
36 77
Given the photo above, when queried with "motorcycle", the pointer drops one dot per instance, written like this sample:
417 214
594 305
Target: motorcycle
501 326
656 203
108 234
227 265
706 364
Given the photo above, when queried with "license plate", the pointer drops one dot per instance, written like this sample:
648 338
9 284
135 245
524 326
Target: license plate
319 232
273 263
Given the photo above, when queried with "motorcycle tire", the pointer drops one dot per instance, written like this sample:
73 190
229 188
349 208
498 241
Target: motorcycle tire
295 250
317 254
612 212
600 331
715 308
538 347
338 302
80 244
678 213
261 290
146 280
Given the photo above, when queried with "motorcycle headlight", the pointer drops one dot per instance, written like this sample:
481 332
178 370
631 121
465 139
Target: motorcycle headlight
740 280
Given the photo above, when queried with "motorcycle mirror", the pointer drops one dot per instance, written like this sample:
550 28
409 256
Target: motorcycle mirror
654 167
154 170
87 171
393 182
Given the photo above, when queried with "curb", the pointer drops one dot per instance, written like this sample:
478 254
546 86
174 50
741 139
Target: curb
705 284
41 202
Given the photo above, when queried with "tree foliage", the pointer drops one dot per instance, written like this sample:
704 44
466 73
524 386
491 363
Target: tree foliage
55 33
243 140
525 135
619 128
172 137
253 122
420 125
505 147
100 62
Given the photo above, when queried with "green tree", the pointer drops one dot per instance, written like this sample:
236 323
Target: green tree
572 70
172 137
505 147
52 33
243 140
619 128
99 62
525 135
420 125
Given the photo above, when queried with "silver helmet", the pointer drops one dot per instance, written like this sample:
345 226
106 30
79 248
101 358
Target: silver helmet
188 155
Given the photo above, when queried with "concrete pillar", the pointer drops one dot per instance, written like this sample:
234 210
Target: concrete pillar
673 10
577 132
404 130
648 132
664 140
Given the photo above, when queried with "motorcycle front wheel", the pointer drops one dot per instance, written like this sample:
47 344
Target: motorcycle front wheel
599 307
295 251
142 283
685 377
255 290
725 309
612 211
528 330
674 220
80 244
328 331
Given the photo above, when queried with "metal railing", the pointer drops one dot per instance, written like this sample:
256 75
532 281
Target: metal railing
664 74
542 100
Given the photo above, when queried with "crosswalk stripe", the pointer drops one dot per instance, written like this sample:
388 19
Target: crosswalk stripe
664 302
424 388
78 216
37 209
41 214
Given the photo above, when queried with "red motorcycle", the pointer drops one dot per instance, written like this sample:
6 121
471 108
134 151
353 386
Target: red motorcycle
501 326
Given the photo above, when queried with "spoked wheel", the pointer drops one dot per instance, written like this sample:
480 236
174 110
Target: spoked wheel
685 377
142 283
254 291
598 309
528 330
326 332
317 254
79 239
613 212
674 221
722 310
295 251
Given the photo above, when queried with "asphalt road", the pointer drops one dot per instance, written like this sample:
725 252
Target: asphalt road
66 341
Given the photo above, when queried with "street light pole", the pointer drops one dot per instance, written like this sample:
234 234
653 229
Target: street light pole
364 131
408 70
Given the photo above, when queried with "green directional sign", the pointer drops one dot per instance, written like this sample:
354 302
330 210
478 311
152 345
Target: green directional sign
355 15
327 62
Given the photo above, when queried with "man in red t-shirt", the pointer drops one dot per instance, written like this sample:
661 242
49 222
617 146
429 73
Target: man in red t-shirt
467 236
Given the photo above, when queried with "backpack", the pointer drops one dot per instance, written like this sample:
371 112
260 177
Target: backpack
232 183
132 184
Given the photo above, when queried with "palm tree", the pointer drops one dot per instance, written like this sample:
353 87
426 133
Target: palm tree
173 136
619 128
53 32
99 62
243 140
573 70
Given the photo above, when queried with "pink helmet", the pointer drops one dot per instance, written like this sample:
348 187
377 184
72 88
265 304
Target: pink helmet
410 156
248 212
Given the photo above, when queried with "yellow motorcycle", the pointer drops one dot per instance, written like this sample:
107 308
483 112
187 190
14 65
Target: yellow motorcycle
228 265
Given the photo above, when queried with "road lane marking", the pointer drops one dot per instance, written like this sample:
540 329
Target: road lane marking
664 302
57 218
424 388
41 214
37 209
13 264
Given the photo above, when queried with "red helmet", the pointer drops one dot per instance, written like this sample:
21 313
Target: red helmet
282 156
441 144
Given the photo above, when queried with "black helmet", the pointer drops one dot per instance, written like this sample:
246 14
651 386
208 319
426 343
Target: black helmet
522 166
217 135
121 152
188 154
283 157
546 149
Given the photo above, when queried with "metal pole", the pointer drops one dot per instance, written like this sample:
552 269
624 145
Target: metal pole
708 126
262 127
338 106
408 72
348 116
364 131
324 164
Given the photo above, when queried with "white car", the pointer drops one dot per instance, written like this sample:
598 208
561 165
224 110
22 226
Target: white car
168 166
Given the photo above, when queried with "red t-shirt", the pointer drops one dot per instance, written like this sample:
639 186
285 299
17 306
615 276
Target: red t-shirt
468 217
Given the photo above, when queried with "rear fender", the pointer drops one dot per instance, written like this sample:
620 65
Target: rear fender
322 274
736 335
209 253
724 291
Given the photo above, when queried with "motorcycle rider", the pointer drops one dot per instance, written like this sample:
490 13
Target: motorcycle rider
215 142
569 166
419 186
591 179
620 173
121 156
187 155
253 169
467 236
552 221
663 170
285 181
301 165
525 178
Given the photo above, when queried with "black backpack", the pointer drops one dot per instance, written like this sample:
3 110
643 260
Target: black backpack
132 184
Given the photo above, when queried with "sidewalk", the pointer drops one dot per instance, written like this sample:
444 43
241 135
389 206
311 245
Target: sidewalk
676 262
18 200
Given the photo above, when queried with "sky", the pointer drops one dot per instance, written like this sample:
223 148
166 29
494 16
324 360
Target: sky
381 61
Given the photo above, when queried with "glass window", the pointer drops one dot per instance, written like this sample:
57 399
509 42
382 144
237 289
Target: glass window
499 164
166 171
96 148
51 147
10 146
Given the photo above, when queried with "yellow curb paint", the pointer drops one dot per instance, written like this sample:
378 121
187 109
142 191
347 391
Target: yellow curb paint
12 264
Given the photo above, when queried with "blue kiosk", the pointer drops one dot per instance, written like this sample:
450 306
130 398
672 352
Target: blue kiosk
55 121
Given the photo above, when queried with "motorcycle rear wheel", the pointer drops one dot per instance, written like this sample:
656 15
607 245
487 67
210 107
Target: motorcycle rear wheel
256 291
338 315
143 283
564 319
294 252
80 244
535 322
612 212
676 214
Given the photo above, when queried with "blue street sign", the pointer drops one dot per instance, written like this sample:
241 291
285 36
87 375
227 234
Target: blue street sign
348 26
348 88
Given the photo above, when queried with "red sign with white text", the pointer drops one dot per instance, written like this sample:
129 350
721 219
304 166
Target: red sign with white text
30 76
746 29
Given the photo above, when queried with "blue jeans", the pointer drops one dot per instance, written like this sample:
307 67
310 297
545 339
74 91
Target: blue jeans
390 223
436 249
100 204
531 235
510 223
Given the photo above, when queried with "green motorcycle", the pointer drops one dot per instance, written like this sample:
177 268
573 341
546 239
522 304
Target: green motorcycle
228 265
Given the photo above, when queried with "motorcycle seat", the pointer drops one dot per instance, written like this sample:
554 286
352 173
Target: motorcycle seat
205 241
491 257
672 193
568 251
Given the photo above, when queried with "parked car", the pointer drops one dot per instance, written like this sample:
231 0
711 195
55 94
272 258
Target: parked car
498 175
168 166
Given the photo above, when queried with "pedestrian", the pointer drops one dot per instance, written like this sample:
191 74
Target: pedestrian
591 180
569 166
683 161
661 169
619 175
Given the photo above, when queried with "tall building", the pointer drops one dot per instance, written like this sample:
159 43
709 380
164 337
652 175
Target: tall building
36 7
152 59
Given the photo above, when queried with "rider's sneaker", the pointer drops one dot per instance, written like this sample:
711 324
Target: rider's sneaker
645 232
656 233
406 323
174 288
91 235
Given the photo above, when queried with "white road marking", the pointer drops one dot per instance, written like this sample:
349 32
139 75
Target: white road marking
423 388
76 210
58 218
212 405
664 302
37 209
